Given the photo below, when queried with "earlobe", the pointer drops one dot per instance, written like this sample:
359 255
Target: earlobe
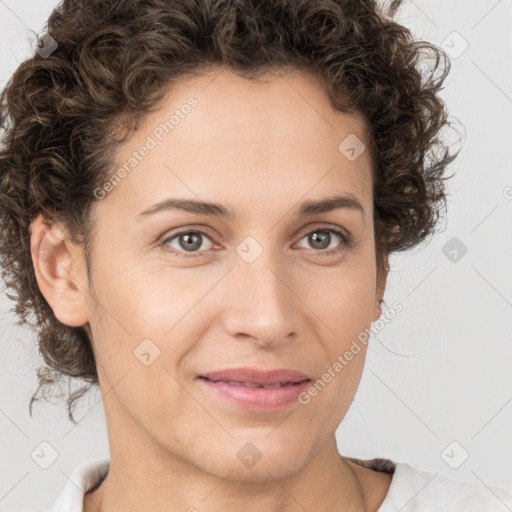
378 309
379 296
58 268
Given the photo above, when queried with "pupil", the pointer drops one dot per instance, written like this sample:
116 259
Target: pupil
193 241
190 244
322 238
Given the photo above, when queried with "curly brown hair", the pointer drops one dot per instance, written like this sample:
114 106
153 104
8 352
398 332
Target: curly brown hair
62 116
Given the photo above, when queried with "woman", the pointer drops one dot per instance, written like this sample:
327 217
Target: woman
199 199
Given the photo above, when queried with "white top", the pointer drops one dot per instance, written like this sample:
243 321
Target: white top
419 490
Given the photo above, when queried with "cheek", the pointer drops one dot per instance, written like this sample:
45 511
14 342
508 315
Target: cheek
149 300
146 317
346 306
344 299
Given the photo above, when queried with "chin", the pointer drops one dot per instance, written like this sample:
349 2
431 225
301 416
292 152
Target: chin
263 464
261 472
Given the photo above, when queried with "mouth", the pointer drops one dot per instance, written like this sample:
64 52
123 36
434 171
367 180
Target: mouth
255 384
259 377
256 396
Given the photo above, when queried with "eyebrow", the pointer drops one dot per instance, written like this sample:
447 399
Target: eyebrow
307 208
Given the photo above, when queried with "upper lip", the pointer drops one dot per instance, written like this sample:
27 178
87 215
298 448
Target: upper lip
256 376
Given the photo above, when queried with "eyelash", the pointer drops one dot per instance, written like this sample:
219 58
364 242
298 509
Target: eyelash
346 238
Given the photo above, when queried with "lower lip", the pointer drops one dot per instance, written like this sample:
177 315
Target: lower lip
258 398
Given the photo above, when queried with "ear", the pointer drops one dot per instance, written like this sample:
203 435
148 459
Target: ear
60 271
380 289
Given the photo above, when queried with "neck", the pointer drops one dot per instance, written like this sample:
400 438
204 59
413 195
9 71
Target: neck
136 482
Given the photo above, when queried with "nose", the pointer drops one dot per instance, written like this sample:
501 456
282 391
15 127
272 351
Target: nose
261 305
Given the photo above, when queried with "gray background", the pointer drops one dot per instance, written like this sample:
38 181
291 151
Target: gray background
438 373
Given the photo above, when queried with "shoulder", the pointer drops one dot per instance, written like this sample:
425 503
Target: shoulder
423 491
85 477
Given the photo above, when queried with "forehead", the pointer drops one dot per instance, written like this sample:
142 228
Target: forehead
219 134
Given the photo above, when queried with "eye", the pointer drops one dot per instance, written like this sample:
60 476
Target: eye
191 241
321 239
187 240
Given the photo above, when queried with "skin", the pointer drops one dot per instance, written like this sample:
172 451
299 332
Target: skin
259 149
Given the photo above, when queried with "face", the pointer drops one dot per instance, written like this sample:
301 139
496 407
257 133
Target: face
180 293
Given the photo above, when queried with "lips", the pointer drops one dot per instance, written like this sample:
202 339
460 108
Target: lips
252 384
256 390
253 377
